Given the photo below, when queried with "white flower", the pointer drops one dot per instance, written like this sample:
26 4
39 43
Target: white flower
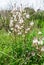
35 41
9 33
21 21
40 42
43 38
12 28
31 23
39 33
42 49
27 16
24 14
21 9
15 19
13 10
26 32
33 54
17 13
14 16
22 26
17 26
19 33
27 29
11 23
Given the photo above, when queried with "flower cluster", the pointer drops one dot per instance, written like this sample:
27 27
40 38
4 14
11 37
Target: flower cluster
17 21
38 42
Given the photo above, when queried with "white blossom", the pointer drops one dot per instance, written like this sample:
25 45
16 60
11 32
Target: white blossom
12 28
19 33
14 16
35 41
21 21
42 49
27 16
39 32
17 13
33 53
26 32
24 14
27 29
40 42
31 23
13 10
15 19
43 38
9 32
11 23
22 26
17 26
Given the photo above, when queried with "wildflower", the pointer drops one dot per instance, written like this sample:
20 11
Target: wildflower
33 53
24 14
14 16
43 38
40 42
9 33
22 26
13 10
21 9
35 41
19 33
42 49
31 23
27 29
39 33
17 13
11 23
15 19
27 16
17 26
21 21
12 28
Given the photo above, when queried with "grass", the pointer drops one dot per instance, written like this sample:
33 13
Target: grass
16 50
